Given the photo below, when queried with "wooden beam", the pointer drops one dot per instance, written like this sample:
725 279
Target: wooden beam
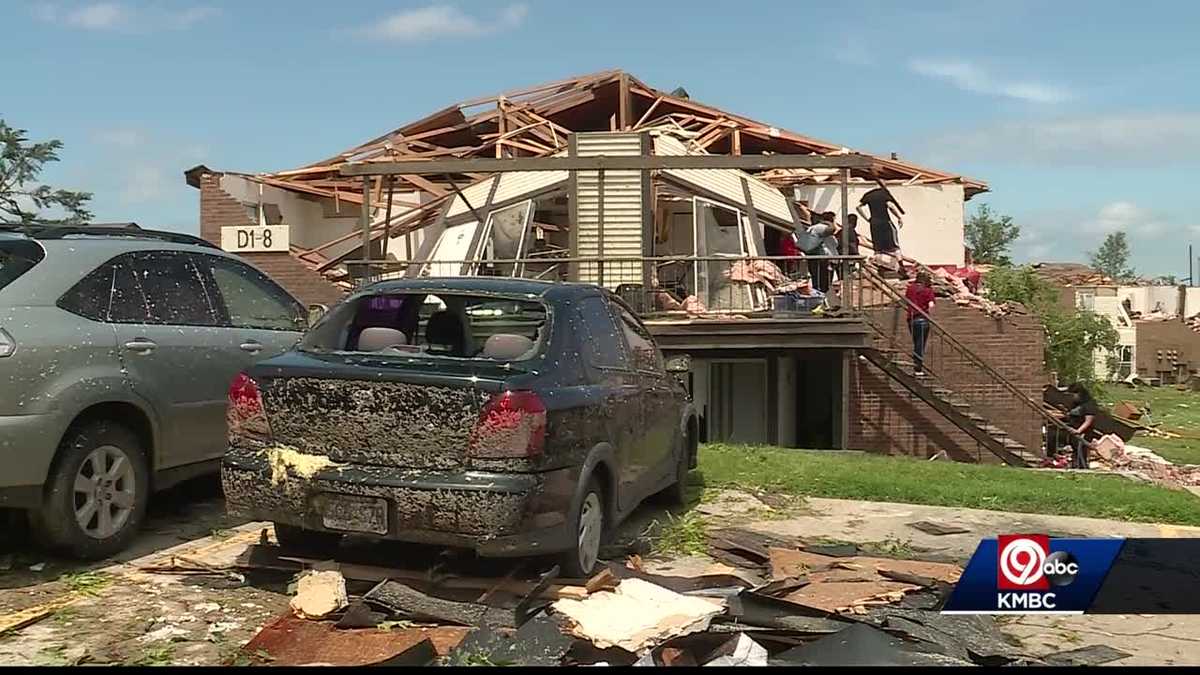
737 142
488 165
623 102
645 116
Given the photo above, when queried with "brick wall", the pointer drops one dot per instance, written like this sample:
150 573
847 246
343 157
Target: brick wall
218 209
885 417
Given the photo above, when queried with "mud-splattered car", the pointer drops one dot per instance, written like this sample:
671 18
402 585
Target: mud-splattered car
509 416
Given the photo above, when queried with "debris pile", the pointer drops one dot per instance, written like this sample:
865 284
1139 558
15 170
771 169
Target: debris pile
1112 454
769 601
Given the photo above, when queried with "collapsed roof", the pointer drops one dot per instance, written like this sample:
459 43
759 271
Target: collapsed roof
537 122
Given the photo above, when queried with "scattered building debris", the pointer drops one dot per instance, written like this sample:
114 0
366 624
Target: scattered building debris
636 616
291 641
741 650
319 594
1093 655
412 604
939 529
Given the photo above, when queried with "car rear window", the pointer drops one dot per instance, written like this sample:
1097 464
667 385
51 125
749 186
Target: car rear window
450 325
17 258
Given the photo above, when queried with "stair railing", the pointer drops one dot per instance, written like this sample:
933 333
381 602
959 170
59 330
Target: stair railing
946 338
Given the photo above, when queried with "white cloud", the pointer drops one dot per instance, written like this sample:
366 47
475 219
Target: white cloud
441 20
970 77
121 138
119 16
1149 139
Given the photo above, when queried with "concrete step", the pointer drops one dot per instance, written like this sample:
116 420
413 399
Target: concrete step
1013 446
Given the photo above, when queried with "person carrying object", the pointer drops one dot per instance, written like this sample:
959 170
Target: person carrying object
1082 419
822 241
920 303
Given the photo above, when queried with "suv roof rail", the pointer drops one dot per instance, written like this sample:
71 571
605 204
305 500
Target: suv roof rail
106 230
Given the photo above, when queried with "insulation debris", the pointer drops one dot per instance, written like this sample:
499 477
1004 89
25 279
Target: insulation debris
319 594
286 460
636 616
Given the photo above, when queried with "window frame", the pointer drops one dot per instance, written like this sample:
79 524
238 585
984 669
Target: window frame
255 277
61 302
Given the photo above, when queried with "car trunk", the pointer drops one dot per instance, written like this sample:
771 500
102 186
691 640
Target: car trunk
408 413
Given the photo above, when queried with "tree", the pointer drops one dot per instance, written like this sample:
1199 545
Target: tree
990 235
1073 336
23 200
1112 258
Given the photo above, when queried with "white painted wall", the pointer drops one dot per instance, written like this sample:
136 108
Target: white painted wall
1143 298
933 220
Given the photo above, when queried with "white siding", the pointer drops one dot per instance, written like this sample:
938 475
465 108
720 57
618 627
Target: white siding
727 183
476 193
519 183
623 210
933 217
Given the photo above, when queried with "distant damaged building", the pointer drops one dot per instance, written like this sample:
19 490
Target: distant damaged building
692 247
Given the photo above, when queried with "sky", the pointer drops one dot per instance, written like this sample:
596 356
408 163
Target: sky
1082 115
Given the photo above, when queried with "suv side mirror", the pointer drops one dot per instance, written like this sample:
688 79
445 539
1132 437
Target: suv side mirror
315 312
679 364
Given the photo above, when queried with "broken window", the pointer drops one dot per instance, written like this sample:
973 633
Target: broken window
720 232
456 325
504 239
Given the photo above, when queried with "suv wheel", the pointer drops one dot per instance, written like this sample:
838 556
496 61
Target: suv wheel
96 495
302 540
589 533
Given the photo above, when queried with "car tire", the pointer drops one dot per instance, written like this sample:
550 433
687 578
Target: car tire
299 539
96 496
588 522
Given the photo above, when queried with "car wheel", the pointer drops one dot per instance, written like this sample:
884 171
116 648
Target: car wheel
589 523
300 539
96 496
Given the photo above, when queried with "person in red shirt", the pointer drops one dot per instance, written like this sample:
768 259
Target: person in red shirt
920 297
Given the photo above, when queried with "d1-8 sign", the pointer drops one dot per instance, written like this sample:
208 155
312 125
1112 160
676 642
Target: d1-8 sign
252 238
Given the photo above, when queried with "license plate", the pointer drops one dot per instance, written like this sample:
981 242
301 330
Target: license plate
352 513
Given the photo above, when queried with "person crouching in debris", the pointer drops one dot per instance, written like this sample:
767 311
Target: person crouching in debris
920 304
1081 418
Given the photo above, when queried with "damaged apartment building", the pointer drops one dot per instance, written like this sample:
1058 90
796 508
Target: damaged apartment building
687 244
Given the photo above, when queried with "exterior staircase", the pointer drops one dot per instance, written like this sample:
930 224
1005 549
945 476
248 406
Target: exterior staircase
892 356
951 406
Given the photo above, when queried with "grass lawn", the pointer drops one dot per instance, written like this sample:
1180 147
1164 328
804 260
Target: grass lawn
1172 410
941 483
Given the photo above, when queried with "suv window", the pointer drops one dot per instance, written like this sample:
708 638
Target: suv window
162 287
603 344
645 355
91 296
17 258
251 299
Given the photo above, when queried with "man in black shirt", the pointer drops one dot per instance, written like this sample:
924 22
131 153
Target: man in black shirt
1081 418
883 206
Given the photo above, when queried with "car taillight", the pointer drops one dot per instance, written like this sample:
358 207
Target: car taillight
7 344
512 424
246 415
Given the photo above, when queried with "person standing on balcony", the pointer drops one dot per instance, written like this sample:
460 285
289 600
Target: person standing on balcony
885 235
1081 418
920 303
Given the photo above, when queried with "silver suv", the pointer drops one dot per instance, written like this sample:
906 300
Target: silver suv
117 349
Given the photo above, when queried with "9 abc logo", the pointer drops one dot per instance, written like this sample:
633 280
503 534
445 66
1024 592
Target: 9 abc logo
1025 563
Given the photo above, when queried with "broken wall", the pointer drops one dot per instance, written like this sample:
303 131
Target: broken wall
933 220
1162 346
886 417
218 209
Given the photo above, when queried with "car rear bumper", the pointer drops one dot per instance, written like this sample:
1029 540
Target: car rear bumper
496 514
